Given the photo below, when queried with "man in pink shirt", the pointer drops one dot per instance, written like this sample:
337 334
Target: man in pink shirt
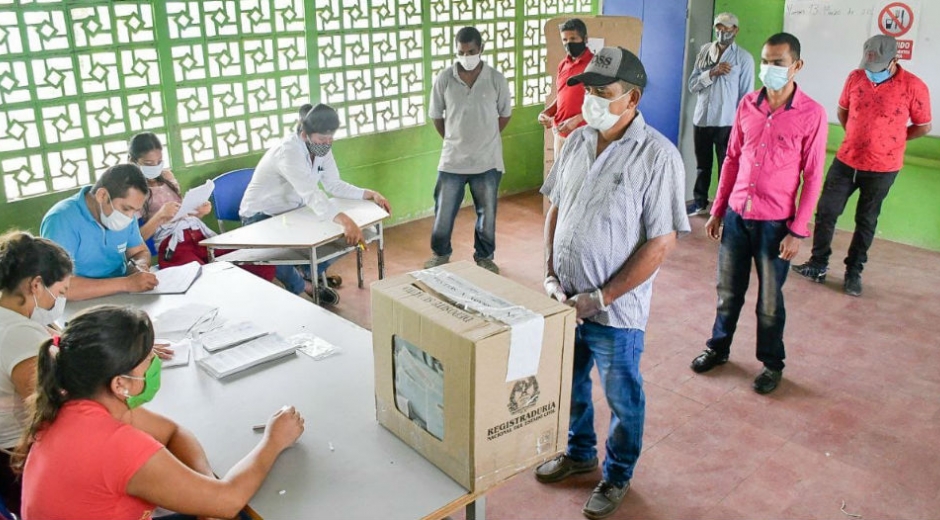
882 107
779 136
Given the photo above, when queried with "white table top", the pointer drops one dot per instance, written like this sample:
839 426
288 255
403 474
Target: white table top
368 474
298 228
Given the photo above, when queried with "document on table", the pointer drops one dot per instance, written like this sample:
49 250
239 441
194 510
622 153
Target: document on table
194 198
231 334
181 350
178 322
247 355
175 280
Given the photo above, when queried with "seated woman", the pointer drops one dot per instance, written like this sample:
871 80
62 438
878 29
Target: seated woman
91 450
34 278
177 242
289 176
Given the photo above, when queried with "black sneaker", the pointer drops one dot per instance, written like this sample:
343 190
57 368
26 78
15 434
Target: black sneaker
811 271
767 381
562 467
853 284
694 209
605 499
708 360
328 296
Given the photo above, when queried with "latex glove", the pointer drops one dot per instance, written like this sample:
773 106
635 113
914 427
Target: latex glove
588 304
553 289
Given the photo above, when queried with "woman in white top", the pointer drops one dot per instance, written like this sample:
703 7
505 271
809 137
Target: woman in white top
289 176
34 279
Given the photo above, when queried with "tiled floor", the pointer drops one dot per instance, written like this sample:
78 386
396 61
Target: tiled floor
856 420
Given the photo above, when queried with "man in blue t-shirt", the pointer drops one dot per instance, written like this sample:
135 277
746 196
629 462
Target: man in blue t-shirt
98 227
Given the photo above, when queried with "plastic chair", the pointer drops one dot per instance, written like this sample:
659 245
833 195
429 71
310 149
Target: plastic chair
227 195
150 245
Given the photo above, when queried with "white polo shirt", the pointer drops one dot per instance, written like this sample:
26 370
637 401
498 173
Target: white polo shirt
471 115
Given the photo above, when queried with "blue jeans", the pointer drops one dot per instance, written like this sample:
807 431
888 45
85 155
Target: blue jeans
288 275
617 354
741 242
448 194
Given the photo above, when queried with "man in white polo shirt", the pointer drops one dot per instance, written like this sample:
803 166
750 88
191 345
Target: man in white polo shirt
470 106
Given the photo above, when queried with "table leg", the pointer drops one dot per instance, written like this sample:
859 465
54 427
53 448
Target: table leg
381 252
476 510
359 266
314 277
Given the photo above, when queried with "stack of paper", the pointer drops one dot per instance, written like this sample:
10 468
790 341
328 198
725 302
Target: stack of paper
175 280
231 335
180 349
246 355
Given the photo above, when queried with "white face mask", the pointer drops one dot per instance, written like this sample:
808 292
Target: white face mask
596 113
151 172
470 61
116 221
48 316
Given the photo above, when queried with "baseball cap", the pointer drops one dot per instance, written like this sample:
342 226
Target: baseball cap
609 65
878 52
726 19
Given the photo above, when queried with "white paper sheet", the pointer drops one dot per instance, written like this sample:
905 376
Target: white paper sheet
175 280
176 323
194 198
181 350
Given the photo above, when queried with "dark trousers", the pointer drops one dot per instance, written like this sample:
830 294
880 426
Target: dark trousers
709 141
449 193
742 242
841 182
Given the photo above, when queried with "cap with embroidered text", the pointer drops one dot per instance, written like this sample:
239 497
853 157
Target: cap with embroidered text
609 65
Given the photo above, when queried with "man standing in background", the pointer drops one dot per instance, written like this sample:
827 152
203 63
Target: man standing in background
764 202
723 75
877 102
470 106
563 114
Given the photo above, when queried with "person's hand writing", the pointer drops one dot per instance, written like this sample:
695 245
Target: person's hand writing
284 427
141 281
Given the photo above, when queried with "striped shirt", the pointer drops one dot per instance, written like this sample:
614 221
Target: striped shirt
717 98
611 205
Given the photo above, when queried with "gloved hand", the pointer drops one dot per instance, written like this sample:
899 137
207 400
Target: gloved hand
588 304
553 289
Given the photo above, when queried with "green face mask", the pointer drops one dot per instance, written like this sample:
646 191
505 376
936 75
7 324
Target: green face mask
151 381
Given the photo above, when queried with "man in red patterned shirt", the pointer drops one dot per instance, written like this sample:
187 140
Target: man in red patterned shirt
881 108
563 114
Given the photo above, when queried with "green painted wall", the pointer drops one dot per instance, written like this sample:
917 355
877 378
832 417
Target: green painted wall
402 165
911 214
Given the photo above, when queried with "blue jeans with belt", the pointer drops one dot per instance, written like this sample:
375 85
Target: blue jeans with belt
288 275
617 355
744 241
448 194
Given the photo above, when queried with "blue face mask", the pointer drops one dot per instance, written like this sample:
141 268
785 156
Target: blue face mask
774 77
878 77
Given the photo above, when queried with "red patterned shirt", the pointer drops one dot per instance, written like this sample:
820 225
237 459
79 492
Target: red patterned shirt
876 130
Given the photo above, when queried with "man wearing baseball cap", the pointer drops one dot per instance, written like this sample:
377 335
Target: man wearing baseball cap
881 108
617 206
722 76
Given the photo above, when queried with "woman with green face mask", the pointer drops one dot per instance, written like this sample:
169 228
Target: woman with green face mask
92 451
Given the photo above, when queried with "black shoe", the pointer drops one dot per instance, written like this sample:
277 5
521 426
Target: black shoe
811 271
767 381
853 284
605 499
694 209
708 360
562 467
328 296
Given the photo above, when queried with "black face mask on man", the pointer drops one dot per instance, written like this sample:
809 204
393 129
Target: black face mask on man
575 49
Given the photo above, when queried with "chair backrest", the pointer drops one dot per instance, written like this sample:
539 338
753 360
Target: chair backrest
228 193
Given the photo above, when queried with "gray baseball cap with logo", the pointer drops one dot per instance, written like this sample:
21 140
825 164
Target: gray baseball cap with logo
609 65
878 52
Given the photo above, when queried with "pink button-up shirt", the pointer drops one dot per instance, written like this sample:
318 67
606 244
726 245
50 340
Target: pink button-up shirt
767 152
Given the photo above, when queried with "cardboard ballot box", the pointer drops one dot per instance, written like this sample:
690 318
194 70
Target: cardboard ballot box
472 370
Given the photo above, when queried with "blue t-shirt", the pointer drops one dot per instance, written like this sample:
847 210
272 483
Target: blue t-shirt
96 251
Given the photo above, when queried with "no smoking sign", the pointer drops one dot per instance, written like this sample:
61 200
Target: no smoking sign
897 19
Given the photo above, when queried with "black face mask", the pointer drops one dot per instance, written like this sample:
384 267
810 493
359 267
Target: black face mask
575 49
